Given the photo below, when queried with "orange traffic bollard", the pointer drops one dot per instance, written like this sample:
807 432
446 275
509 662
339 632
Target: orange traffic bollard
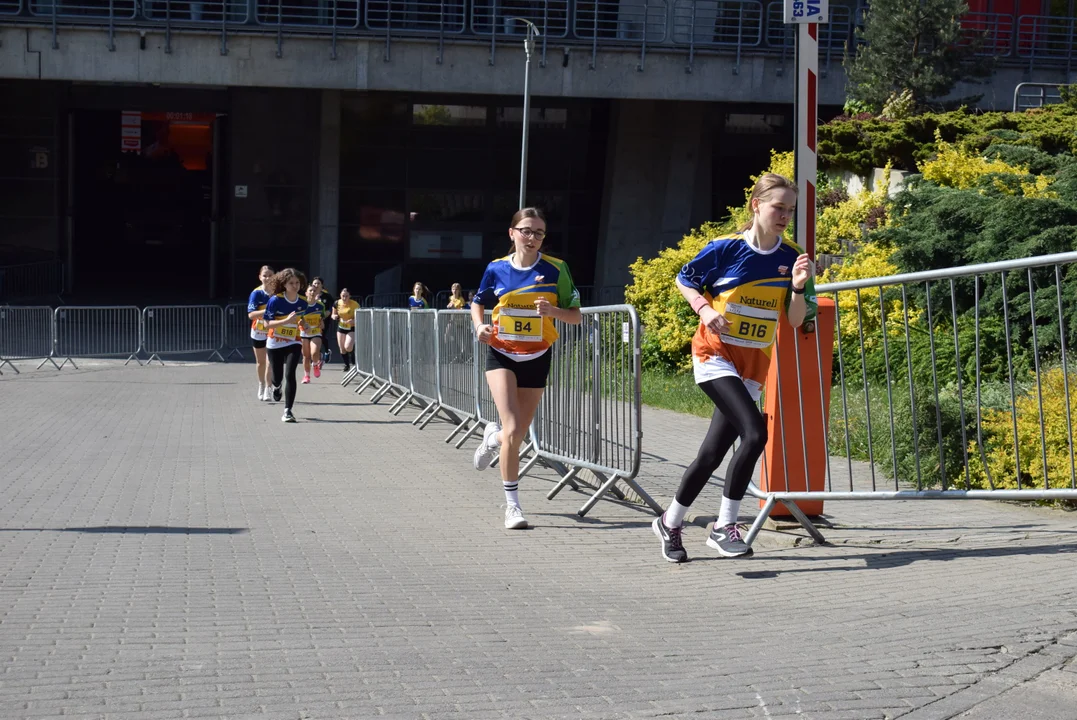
798 410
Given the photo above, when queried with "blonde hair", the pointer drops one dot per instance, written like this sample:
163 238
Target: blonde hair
765 186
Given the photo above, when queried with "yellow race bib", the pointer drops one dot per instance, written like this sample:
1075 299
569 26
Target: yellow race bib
287 332
749 326
312 324
259 325
519 325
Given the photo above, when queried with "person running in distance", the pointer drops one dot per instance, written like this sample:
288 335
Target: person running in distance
311 335
456 299
327 302
344 313
417 301
284 346
740 285
527 291
256 307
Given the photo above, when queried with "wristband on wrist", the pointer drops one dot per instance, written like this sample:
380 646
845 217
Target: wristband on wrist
799 291
699 303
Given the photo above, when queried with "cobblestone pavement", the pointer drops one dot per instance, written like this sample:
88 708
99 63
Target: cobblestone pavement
169 548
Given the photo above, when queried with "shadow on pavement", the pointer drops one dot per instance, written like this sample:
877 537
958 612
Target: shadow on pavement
891 559
137 529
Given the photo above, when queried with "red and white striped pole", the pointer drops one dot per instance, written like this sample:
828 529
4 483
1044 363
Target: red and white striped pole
807 165
807 14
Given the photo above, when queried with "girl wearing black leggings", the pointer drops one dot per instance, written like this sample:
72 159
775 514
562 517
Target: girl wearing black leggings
740 286
285 348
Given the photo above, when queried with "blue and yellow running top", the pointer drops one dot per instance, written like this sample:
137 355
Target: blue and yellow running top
279 307
511 291
311 325
257 303
751 288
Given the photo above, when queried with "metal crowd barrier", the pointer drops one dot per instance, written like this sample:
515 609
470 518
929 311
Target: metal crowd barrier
364 351
112 331
590 415
179 330
1002 430
236 330
26 334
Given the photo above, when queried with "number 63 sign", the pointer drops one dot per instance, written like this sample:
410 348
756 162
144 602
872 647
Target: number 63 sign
806 11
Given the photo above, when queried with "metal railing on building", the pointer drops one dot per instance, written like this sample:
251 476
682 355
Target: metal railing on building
31 280
692 27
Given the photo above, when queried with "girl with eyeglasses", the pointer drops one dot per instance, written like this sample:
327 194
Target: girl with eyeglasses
740 286
527 292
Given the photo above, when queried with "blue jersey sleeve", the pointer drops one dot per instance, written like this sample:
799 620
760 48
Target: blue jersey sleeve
271 309
699 273
486 296
255 300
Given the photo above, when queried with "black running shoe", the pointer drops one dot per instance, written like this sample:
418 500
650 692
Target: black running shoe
729 541
277 393
672 548
287 417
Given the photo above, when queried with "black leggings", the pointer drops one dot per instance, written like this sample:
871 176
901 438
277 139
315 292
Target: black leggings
286 359
735 415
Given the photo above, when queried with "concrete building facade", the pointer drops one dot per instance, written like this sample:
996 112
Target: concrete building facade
377 143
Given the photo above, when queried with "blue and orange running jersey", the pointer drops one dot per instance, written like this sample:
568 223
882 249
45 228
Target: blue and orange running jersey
279 307
511 292
257 303
751 288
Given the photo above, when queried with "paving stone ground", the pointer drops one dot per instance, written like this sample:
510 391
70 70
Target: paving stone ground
169 548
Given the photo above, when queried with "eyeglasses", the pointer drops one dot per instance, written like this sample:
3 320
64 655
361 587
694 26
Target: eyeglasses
530 233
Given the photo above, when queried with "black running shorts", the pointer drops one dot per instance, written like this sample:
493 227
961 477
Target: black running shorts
529 373
258 343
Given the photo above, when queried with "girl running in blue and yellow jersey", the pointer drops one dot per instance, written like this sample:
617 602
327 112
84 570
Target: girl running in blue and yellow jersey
527 291
256 307
344 313
740 286
310 332
282 316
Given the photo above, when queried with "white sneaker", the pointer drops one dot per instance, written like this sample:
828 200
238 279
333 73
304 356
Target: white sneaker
261 392
514 518
487 449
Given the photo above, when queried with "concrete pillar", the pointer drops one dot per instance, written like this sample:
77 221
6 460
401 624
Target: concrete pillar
658 182
325 236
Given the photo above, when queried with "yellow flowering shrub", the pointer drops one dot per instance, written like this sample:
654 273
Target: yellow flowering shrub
846 220
963 169
997 428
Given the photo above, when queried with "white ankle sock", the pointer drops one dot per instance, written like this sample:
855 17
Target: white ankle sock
512 493
674 515
728 514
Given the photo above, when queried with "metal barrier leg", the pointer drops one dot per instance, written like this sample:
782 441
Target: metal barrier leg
598 495
382 391
458 428
235 351
401 403
568 479
759 520
153 357
448 415
527 468
348 377
804 521
651 503
4 362
217 353
468 434
365 384
422 413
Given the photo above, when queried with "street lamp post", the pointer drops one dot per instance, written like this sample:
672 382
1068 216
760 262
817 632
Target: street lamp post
529 47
